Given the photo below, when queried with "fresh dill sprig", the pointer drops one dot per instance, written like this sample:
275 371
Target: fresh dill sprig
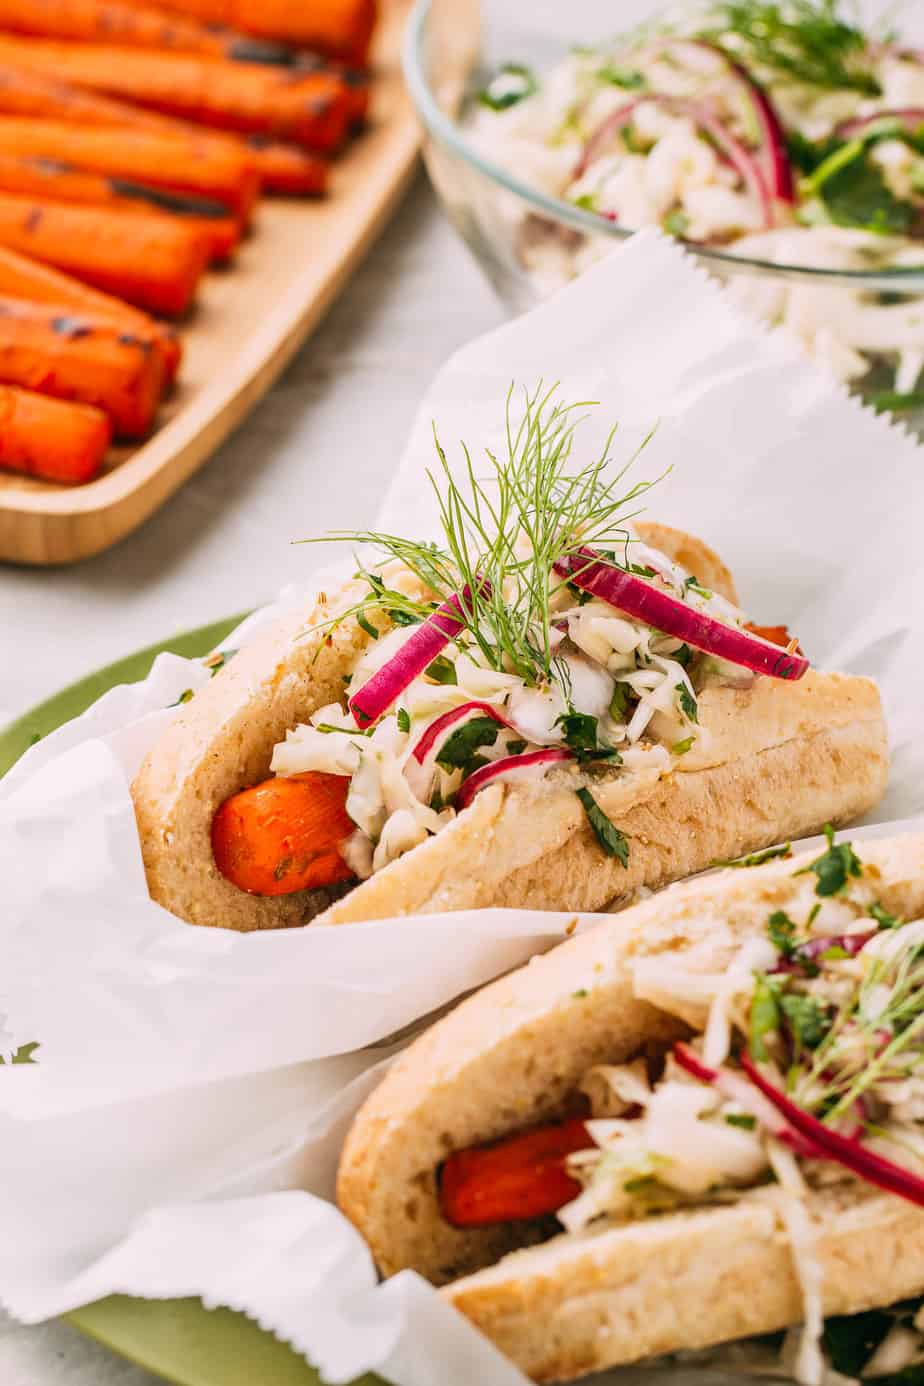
807 41
502 532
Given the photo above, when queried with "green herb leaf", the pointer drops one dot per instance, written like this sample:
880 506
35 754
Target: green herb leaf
588 203
835 867
807 41
516 747
893 402
747 1123
765 1017
620 702
459 750
614 843
806 1018
854 193
185 697
404 719
366 625
676 223
403 618
509 85
579 730
680 748
883 918
442 670
624 77
781 931
688 704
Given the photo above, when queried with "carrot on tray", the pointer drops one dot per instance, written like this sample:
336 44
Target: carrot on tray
522 1176
21 277
148 261
137 26
282 168
51 438
76 357
311 108
176 161
340 28
60 182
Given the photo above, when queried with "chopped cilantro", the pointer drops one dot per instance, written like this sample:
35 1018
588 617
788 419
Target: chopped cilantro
614 843
185 697
853 192
806 1018
781 931
883 918
365 624
643 570
680 748
688 704
834 867
404 719
579 730
620 701
460 750
442 670
747 1123
403 618
510 84
683 656
693 584
624 77
516 748
765 1016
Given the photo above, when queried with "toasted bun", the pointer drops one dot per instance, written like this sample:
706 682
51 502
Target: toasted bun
511 1055
781 760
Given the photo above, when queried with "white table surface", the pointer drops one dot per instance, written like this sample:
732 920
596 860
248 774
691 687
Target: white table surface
317 454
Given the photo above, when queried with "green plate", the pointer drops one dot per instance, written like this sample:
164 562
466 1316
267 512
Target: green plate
178 1339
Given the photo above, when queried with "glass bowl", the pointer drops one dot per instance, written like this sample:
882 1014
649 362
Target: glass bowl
529 243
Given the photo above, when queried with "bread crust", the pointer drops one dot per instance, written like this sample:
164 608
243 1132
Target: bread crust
734 794
511 1055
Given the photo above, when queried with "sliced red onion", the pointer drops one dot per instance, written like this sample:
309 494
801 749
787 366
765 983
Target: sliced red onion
638 597
844 1150
772 156
910 117
437 730
721 1080
530 765
418 651
815 948
742 160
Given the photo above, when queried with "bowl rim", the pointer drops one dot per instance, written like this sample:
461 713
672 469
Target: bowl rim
448 132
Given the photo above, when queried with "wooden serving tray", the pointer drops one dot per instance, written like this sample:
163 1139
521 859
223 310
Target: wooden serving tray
249 321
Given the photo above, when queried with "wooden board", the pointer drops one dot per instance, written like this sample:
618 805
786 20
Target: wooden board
249 322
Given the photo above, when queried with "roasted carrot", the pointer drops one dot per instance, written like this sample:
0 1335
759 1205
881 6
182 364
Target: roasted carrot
521 1177
136 26
47 178
76 357
21 277
284 835
341 28
311 108
148 261
49 438
282 168
174 161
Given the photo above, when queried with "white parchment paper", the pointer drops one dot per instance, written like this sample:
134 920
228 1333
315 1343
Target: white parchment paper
179 1135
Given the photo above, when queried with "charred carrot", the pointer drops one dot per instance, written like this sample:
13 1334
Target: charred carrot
340 28
75 357
136 26
177 162
21 277
49 438
514 1179
47 178
146 260
311 108
283 168
284 835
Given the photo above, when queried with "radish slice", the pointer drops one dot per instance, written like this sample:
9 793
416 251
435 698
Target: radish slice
844 1150
727 1084
816 948
436 730
419 650
772 156
524 767
734 151
911 118
638 597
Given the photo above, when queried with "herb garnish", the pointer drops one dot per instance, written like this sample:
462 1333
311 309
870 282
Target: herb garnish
460 750
509 85
442 670
688 704
614 843
759 858
808 41
403 719
834 867
580 732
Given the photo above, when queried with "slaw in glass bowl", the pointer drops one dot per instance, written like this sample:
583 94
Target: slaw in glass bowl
552 167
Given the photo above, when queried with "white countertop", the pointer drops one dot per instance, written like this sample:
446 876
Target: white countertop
317 454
